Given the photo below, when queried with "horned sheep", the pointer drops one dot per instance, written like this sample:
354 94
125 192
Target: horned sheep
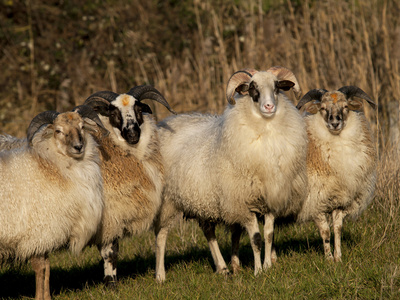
132 168
228 168
341 160
51 190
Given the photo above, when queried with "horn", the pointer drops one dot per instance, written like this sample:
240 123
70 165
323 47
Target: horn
315 94
41 119
85 111
237 79
285 74
104 96
353 91
142 92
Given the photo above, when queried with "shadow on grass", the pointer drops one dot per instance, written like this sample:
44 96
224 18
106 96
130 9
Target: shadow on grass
19 281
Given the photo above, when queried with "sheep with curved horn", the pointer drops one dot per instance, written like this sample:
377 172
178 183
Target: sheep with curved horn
51 190
132 168
228 168
341 160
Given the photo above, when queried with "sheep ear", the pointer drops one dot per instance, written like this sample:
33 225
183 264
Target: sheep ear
312 107
284 85
355 104
145 108
43 133
90 125
242 89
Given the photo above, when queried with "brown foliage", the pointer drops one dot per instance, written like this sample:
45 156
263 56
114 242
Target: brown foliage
56 53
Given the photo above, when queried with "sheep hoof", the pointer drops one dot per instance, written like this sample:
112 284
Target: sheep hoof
224 271
110 281
338 259
236 269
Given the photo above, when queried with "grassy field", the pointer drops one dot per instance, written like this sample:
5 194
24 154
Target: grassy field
56 53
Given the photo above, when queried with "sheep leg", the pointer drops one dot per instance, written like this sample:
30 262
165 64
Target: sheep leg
324 230
161 241
236 232
109 252
47 295
209 232
41 266
337 216
256 242
270 254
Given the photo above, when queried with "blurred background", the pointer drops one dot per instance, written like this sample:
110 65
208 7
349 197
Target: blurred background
54 54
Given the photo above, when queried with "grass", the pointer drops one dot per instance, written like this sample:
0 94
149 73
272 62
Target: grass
370 268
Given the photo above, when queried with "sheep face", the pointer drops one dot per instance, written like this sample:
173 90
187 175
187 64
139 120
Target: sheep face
264 88
69 134
125 114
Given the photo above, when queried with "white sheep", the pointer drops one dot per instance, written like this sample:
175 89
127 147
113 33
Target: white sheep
341 160
50 190
132 168
228 168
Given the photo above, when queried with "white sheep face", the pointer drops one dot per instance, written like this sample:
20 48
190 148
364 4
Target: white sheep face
262 90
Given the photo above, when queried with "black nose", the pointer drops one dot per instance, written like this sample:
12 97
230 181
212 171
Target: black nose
131 135
78 147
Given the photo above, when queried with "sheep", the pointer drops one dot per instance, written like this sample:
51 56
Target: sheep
51 190
132 168
341 161
228 168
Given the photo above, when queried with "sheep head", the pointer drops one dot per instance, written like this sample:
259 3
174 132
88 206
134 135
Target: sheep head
125 111
66 128
263 87
334 106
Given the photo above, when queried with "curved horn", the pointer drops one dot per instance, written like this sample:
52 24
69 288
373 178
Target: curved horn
285 74
85 111
142 92
353 91
103 96
237 79
315 94
41 119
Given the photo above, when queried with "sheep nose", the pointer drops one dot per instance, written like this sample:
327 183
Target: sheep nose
78 147
269 106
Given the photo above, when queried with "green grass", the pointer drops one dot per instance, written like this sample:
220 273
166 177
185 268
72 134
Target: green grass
370 268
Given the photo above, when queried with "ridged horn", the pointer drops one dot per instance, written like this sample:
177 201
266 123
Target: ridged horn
85 111
41 119
315 94
353 91
285 74
102 96
237 79
142 92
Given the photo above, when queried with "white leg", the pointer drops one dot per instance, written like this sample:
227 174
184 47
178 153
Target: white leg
256 242
209 232
109 253
161 241
324 230
236 232
47 295
337 216
269 239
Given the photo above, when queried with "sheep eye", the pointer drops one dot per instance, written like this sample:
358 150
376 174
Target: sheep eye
58 131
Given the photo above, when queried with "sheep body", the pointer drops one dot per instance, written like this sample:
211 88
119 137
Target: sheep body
229 167
341 161
51 190
132 169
